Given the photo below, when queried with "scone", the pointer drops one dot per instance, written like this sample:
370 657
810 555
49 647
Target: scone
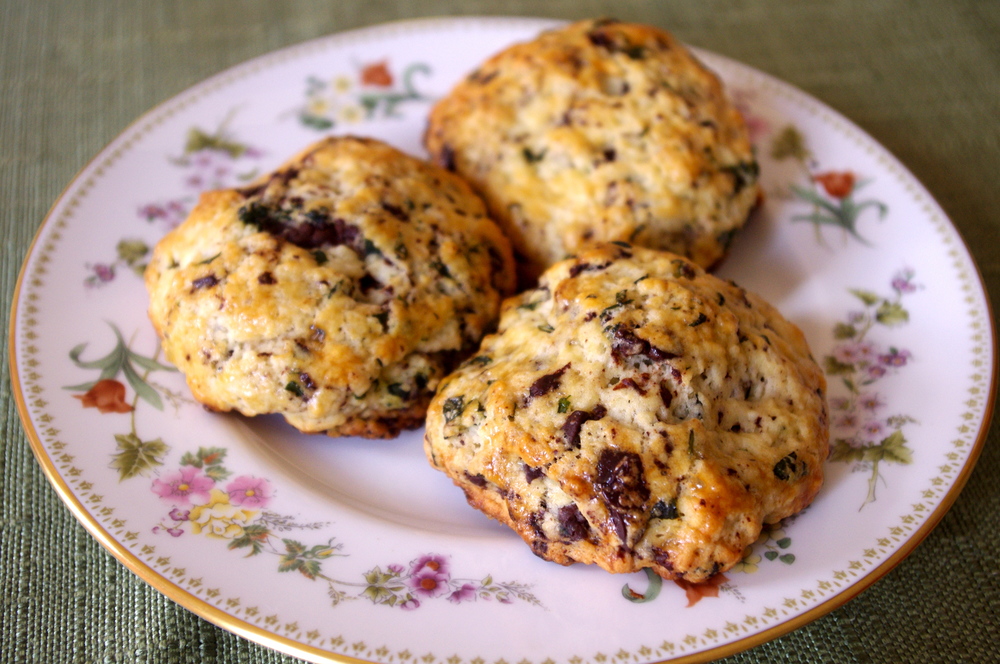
336 291
635 412
600 131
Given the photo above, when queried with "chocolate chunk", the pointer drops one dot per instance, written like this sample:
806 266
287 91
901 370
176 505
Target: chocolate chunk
204 282
476 479
621 480
666 395
571 427
532 474
625 344
396 211
447 158
307 380
546 383
628 383
266 278
573 525
587 267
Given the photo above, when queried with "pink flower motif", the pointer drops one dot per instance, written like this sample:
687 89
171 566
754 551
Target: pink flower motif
852 353
396 569
429 576
410 604
249 491
847 421
870 401
840 403
103 273
895 358
903 282
756 125
435 563
182 486
152 211
464 594
179 514
873 429
175 532
876 371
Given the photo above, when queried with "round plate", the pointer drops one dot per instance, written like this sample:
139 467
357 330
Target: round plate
349 549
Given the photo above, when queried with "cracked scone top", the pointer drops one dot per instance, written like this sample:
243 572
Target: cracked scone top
336 291
635 412
600 131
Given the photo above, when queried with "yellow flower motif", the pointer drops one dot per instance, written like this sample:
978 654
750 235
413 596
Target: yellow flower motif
748 564
318 106
219 518
351 113
341 84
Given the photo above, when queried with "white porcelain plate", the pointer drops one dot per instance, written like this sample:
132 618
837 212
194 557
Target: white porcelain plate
356 550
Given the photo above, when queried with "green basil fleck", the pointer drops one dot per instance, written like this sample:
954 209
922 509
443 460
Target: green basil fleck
452 408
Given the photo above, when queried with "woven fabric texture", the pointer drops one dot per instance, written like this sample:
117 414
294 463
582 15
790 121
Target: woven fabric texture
922 77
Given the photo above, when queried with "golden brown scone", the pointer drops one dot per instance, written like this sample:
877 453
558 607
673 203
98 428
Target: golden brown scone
337 291
600 131
635 412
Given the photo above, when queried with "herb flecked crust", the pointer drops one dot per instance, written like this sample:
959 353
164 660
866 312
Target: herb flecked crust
635 412
336 291
600 131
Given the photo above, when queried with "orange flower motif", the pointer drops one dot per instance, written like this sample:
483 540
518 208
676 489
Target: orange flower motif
838 184
697 591
377 73
107 396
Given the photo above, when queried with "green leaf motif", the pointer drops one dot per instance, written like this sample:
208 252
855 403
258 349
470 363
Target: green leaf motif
120 360
310 568
866 296
789 143
253 537
891 314
293 547
844 331
136 457
895 449
217 473
835 367
132 251
655 584
289 563
842 451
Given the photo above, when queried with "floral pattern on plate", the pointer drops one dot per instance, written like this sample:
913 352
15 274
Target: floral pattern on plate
105 446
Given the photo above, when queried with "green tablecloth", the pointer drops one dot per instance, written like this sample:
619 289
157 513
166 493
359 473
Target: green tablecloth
923 78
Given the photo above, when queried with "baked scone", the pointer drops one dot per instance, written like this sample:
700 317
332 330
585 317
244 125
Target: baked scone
336 291
600 131
635 412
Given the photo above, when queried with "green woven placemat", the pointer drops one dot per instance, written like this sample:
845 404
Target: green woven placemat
923 78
